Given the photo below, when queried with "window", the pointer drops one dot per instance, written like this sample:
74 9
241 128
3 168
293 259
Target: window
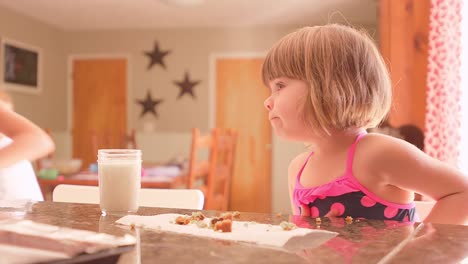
463 158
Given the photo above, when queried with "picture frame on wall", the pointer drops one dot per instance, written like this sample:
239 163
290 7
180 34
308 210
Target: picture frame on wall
21 67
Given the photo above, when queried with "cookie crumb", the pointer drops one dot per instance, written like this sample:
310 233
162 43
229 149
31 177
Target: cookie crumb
201 224
318 221
197 216
236 214
182 220
223 226
226 216
287 226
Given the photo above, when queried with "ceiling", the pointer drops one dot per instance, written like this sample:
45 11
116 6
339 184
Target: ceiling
75 15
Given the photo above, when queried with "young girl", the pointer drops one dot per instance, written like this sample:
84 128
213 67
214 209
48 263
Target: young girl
328 85
20 141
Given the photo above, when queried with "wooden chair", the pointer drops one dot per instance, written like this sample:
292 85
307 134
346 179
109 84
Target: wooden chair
409 132
168 198
103 139
212 173
129 140
225 167
423 208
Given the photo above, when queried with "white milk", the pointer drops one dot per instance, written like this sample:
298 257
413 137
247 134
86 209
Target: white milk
119 185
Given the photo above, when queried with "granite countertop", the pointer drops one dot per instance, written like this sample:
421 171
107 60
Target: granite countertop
362 241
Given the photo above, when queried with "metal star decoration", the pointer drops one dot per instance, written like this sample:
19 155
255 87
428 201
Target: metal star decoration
149 105
156 56
186 86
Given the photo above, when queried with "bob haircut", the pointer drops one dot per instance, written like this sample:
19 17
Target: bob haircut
349 85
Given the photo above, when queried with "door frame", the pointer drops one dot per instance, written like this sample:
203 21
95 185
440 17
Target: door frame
212 77
71 58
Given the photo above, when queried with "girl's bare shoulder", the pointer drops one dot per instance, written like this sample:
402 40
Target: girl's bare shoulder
296 164
377 151
379 145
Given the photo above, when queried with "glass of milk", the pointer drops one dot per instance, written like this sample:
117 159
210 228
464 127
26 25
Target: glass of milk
119 172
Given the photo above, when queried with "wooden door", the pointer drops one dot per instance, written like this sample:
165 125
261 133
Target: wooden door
99 104
239 104
403 33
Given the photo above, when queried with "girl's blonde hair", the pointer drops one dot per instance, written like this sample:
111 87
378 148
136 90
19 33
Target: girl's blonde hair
349 82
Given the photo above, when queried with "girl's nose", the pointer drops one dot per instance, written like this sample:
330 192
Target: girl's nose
268 103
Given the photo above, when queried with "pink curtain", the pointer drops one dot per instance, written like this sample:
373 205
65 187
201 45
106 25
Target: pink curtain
442 137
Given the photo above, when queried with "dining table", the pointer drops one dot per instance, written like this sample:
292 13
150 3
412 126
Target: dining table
357 241
88 178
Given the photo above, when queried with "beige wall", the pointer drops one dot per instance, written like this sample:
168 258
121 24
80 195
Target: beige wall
190 50
48 109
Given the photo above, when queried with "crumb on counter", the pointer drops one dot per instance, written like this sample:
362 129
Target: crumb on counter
201 224
214 220
318 221
197 216
349 219
287 225
182 220
225 216
223 226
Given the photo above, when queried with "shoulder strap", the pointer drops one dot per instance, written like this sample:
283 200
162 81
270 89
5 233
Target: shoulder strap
352 149
298 177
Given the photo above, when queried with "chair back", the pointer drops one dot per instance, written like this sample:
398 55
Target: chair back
109 140
213 174
423 208
129 140
106 140
169 198
200 153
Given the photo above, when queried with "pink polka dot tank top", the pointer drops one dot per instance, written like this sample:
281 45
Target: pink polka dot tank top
348 197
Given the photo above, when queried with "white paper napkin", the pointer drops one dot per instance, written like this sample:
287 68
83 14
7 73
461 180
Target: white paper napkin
251 232
20 204
26 241
20 255
14 208
28 227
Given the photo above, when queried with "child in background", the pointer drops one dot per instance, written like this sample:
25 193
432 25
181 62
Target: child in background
328 85
20 141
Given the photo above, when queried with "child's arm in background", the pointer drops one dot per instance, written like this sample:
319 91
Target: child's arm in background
29 141
294 166
403 165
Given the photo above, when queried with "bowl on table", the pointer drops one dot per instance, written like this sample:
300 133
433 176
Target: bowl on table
63 166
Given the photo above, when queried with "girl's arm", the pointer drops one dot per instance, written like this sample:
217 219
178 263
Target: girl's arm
29 141
404 166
